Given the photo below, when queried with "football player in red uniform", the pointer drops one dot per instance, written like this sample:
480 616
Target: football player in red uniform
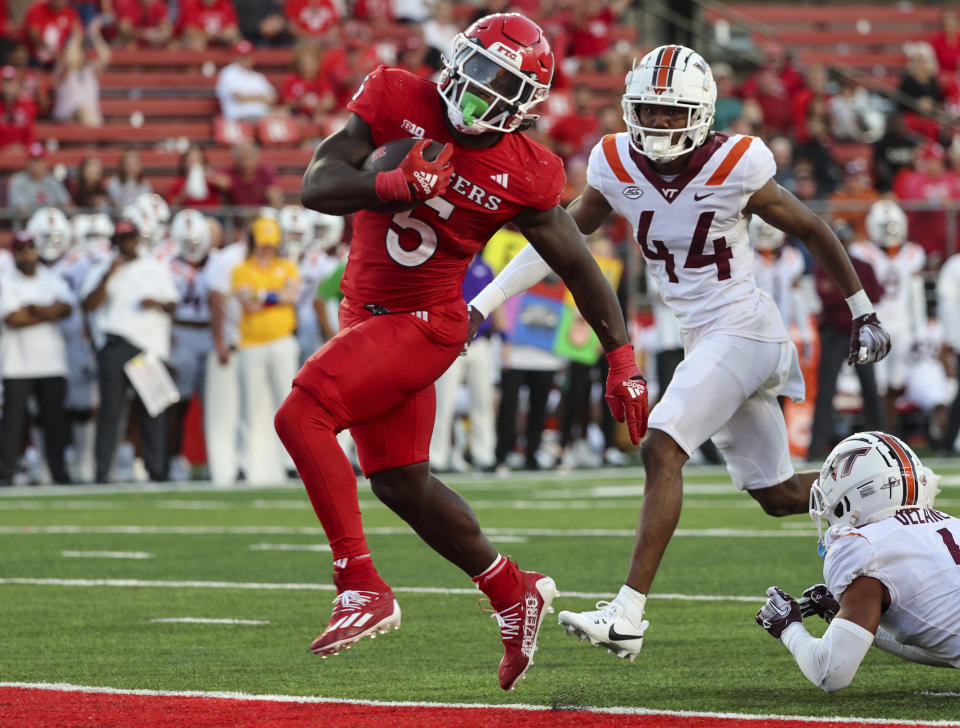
403 320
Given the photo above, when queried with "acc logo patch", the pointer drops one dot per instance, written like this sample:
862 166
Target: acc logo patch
632 192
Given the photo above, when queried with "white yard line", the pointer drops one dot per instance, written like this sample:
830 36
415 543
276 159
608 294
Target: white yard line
263 586
106 555
289 547
202 620
618 710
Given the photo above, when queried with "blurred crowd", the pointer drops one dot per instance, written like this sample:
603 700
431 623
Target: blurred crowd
883 169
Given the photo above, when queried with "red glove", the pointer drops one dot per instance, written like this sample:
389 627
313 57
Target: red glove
627 392
415 178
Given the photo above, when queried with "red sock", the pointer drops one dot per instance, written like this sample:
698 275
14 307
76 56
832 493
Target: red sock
357 572
501 583
307 431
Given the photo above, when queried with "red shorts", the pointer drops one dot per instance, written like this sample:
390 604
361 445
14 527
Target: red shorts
376 377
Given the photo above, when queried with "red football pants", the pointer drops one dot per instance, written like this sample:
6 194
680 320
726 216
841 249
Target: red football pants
376 378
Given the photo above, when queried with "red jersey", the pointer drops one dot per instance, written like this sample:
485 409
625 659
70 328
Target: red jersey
414 260
313 17
52 28
16 123
304 94
211 19
142 15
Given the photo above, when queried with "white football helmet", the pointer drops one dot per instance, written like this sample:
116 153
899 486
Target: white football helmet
764 236
191 235
328 229
869 476
51 233
92 233
887 224
501 67
150 234
671 75
298 230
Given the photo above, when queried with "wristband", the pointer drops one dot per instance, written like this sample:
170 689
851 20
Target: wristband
622 357
392 186
859 304
489 299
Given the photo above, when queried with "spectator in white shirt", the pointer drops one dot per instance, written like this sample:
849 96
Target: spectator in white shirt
33 357
222 423
134 298
244 94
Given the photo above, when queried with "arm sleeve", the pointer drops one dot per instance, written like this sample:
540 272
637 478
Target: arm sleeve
888 643
525 270
831 661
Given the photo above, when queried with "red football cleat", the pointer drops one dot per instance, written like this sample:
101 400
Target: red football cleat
520 625
357 614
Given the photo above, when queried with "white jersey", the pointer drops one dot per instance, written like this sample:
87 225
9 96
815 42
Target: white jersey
315 266
948 301
902 308
692 230
194 306
916 555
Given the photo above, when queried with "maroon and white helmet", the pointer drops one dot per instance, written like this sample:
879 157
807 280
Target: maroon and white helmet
764 236
887 224
51 233
501 67
191 235
869 476
671 75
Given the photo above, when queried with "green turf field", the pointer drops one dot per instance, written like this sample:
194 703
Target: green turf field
85 574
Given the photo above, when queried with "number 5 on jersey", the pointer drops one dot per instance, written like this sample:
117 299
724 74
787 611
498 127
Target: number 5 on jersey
696 258
428 236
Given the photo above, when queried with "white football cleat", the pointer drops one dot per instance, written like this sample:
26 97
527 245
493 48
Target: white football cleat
608 627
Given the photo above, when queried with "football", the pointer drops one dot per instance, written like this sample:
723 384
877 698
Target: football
388 156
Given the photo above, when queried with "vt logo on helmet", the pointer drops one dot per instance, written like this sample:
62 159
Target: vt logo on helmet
869 476
501 68
673 76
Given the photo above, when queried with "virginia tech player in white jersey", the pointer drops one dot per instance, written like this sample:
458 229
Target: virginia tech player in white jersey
892 566
687 194
692 230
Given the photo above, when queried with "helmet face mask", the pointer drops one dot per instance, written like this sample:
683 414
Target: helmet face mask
501 67
191 235
671 76
868 477
296 226
887 225
51 233
765 237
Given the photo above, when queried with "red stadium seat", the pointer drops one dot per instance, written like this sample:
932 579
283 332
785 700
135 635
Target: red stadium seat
275 130
232 132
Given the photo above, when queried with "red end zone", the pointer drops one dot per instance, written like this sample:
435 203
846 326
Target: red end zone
73 708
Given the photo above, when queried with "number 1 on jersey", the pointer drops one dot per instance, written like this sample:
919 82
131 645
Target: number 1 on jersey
696 258
951 544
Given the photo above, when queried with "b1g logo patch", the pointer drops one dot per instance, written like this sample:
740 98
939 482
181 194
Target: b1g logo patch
632 192
413 129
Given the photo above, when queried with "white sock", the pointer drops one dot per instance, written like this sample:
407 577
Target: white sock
633 602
